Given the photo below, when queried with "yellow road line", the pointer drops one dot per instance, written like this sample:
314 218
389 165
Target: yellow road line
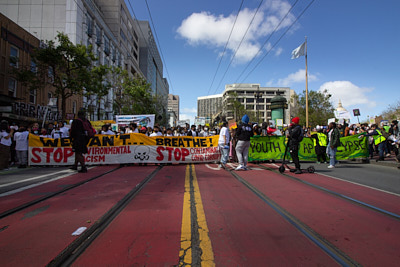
207 255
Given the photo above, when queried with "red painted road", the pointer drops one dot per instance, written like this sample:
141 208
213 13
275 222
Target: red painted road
244 230
148 231
17 199
35 236
370 238
380 199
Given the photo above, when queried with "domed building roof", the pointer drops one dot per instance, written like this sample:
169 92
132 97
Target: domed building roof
340 107
278 98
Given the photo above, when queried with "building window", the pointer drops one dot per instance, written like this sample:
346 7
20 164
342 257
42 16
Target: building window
32 96
98 35
74 107
123 36
50 73
33 66
106 45
14 56
89 24
12 87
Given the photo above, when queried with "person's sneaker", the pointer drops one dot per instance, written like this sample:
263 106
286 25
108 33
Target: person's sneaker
222 165
74 168
292 170
388 155
331 167
239 168
298 171
245 168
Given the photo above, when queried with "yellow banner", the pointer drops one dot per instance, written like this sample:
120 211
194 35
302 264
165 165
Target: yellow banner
126 148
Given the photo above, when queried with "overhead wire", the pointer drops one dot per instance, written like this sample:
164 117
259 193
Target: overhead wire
233 57
226 45
269 37
273 46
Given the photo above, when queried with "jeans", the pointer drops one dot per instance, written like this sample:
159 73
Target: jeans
22 156
332 155
224 154
381 149
242 152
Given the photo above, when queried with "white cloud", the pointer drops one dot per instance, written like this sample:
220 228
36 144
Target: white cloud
213 30
297 77
350 94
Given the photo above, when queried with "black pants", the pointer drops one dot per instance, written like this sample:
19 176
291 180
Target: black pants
294 153
321 153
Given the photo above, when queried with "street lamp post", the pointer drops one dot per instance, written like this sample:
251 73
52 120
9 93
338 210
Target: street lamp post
257 96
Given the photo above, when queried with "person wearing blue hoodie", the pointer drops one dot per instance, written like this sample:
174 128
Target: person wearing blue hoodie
243 134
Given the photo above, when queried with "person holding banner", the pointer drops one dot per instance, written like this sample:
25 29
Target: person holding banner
243 133
333 144
223 143
296 135
320 143
79 141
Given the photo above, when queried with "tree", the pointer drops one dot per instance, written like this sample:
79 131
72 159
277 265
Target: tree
392 112
238 108
63 65
132 95
98 88
320 108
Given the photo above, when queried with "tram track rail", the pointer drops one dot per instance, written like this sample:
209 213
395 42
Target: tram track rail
28 204
336 194
79 245
338 255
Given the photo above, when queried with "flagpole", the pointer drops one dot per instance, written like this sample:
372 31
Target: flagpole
306 84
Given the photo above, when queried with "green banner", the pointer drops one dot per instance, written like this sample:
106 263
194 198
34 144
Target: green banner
273 148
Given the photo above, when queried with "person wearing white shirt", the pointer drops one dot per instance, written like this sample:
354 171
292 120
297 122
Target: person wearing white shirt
22 146
106 130
156 132
64 130
223 143
132 128
5 144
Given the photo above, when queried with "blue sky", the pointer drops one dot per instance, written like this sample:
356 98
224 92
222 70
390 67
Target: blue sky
353 48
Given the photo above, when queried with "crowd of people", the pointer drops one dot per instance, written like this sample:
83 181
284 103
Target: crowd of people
234 142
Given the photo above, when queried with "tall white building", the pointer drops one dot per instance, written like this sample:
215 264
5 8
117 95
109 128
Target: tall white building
107 25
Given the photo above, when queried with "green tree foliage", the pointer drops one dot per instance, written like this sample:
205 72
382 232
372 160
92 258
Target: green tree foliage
392 112
132 96
320 108
97 89
63 65
238 108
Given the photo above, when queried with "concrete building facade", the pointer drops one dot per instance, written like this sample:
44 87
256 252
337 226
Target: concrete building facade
17 102
209 106
255 99
107 26
173 105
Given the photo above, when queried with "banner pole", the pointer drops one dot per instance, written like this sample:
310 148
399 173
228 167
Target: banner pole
306 84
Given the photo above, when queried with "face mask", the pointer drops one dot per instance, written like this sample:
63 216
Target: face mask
35 132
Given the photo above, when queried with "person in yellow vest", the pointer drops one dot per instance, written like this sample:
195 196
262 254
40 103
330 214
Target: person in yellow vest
379 141
320 143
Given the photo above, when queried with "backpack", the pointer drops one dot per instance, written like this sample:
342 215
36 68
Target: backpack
87 127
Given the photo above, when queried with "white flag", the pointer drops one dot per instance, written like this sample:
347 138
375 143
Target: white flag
299 51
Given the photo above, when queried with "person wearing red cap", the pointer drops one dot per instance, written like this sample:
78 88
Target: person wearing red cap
296 135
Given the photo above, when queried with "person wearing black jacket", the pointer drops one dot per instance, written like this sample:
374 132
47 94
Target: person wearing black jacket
243 134
79 141
295 137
